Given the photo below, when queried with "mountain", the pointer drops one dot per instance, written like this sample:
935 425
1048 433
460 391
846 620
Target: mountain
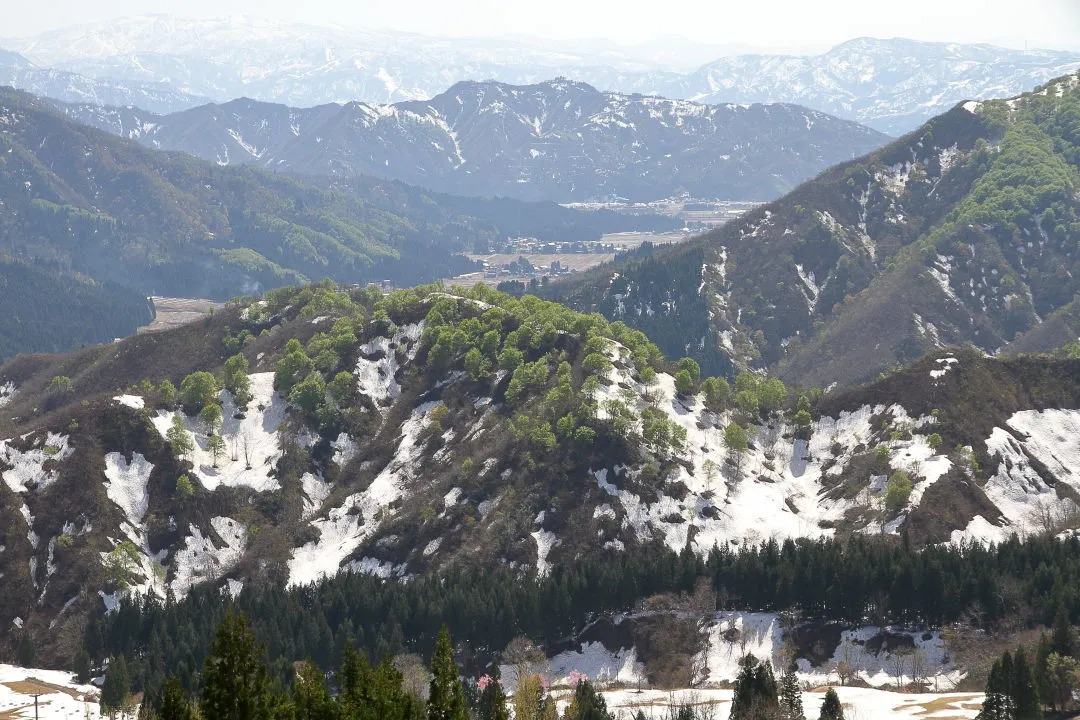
557 140
892 85
442 428
964 231
89 204
18 72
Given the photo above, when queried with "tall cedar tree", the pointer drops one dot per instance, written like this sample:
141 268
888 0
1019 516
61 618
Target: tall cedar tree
755 695
492 701
1063 640
446 701
1025 693
237 686
831 709
117 684
790 697
590 705
998 704
311 698
174 703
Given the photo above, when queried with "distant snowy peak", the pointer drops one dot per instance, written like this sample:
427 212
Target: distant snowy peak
557 140
892 85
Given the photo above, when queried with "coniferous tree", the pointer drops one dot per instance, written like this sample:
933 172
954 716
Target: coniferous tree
81 667
311 698
755 695
791 707
236 681
174 703
492 701
117 685
26 652
1042 666
831 709
446 700
998 703
1025 692
1063 639
589 704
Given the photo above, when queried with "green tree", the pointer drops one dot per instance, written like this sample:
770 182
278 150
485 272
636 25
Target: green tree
755 696
492 701
26 650
897 491
184 489
476 365
692 369
236 685
510 359
114 691
236 379
81 666
933 440
596 364
293 367
772 395
446 699
61 386
216 445
1063 640
717 394
736 441
174 702
198 390
309 394
1025 692
211 417
179 438
684 383
311 698
166 393
588 704
747 401
791 707
998 704
831 709
1062 673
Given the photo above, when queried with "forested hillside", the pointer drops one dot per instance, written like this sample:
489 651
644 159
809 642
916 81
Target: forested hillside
51 311
317 431
964 231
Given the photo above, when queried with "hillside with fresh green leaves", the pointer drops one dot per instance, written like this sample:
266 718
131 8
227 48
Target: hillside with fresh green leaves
318 430
85 203
965 231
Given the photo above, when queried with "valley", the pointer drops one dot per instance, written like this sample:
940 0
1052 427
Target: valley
353 374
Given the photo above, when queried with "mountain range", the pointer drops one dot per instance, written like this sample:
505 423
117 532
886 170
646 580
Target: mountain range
558 140
119 217
963 232
891 85
439 427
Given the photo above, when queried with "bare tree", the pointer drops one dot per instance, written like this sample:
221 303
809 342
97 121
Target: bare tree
525 657
918 666
899 662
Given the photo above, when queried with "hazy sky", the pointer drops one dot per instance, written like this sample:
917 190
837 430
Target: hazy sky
794 24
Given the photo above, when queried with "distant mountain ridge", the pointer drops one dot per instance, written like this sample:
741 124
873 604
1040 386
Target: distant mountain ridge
891 85
18 72
965 231
557 140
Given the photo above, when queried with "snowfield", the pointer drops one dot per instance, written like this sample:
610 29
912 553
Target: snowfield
859 703
61 697
251 443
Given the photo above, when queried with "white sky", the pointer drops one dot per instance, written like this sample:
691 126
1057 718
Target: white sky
768 24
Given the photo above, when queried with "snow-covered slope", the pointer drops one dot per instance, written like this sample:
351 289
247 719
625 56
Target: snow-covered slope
20 73
557 140
416 456
891 85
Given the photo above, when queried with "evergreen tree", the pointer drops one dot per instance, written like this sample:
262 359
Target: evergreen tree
174 703
492 701
589 704
26 652
1025 693
236 682
1042 667
117 685
1063 638
311 699
790 697
81 666
998 702
446 700
831 709
755 695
